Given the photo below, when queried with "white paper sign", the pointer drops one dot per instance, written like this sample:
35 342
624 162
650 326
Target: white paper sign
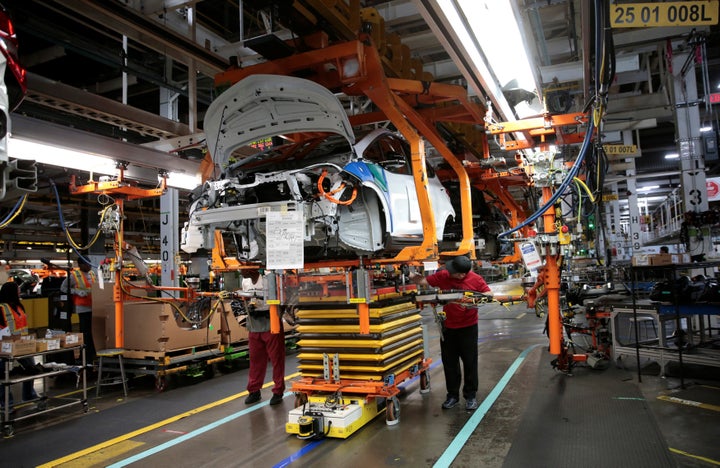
285 240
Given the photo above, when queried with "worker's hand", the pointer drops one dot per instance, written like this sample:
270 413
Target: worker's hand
415 277
80 292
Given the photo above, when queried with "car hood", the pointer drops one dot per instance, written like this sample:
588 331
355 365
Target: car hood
263 106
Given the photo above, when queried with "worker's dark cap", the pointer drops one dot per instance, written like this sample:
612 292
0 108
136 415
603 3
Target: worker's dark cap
460 264
83 261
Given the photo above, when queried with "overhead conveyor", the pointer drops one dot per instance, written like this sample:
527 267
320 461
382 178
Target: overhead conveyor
355 69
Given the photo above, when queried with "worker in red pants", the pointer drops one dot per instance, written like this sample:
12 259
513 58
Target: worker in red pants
264 345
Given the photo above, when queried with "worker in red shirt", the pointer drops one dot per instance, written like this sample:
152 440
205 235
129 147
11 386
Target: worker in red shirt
460 335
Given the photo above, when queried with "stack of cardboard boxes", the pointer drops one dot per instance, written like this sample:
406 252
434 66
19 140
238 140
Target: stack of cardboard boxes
21 345
659 259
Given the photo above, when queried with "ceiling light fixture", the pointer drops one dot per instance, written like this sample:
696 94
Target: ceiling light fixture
183 181
648 187
61 157
481 26
19 148
705 129
672 156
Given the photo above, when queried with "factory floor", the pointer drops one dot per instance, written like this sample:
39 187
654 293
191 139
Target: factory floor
530 415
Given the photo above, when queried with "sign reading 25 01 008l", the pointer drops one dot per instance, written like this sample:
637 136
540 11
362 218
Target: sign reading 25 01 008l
639 15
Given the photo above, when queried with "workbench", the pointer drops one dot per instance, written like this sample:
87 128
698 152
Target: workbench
45 403
681 334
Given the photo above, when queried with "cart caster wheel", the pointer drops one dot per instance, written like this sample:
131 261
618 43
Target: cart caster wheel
300 399
160 384
8 430
86 407
425 382
41 405
392 411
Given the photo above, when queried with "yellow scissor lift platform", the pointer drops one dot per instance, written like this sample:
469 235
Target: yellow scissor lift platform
349 375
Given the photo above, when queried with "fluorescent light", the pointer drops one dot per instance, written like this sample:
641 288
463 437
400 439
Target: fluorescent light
493 23
82 161
57 156
648 187
672 156
705 129
183 181
488 29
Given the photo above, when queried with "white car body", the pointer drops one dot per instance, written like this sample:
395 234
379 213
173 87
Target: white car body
372 209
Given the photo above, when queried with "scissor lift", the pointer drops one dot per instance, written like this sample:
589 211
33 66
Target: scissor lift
357 343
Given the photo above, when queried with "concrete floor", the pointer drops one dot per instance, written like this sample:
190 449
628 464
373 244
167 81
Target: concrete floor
204 422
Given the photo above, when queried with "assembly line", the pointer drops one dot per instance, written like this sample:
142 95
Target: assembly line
374 268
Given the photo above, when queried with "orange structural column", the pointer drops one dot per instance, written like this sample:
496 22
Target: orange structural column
117 288
552 278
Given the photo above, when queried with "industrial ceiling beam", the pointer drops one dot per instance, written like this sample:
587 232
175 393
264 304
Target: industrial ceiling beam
69 138
70 99
125 21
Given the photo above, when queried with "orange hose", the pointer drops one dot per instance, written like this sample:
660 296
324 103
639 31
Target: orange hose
329 195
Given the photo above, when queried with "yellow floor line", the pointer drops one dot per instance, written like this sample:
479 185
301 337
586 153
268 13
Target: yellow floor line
100 457
130 435
682 401
697 457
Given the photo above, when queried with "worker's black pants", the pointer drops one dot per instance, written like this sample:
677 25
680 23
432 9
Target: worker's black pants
460 344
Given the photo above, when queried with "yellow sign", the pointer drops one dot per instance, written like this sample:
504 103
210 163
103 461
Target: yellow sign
357 300
610 196
620 149
641 15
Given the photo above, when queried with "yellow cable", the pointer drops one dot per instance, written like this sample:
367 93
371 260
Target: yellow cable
587 189
95 237
17 212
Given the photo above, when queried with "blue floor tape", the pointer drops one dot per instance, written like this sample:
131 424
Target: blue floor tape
459 441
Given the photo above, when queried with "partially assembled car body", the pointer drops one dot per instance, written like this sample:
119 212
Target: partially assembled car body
356 198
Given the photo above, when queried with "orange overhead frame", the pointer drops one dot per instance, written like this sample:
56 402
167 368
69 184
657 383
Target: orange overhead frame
543 127
355 68
120 190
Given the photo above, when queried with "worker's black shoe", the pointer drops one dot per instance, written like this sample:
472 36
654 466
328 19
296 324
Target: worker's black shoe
276 399
253 397
471 404
451 402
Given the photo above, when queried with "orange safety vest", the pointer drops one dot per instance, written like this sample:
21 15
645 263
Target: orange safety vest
17 316
81 282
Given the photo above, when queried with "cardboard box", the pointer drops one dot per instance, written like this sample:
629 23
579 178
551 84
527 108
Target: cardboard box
661 259
18 346
71 340
47 344
103 321
154 326
641 260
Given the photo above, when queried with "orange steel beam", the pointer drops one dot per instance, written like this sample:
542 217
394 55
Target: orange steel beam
551 121
115 188
370 388
428 130
312 61
117 288
552 279
539 127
